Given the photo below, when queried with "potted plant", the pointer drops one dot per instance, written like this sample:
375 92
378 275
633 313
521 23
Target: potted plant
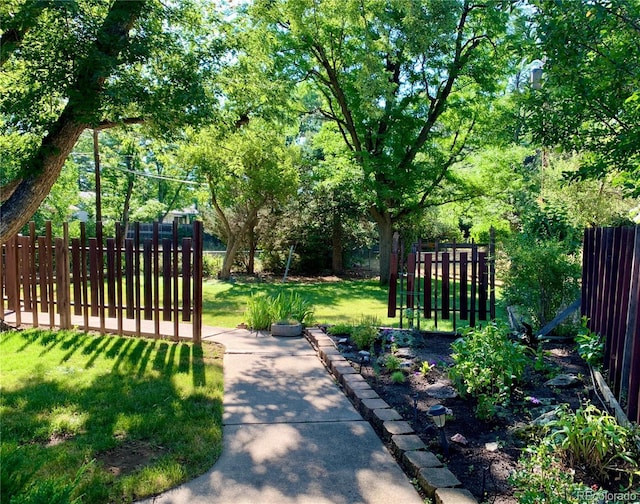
285 313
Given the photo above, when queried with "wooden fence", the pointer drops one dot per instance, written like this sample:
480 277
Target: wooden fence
443 281
76 282
610 300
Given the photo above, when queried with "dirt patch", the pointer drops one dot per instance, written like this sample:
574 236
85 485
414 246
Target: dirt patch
129 456
488 451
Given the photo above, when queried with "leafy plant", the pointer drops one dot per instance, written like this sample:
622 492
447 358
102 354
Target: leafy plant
392 363
590 345
290 305
340 329
487 365
398 377
541 478
426 367
593 439
263 310
259 313
366 332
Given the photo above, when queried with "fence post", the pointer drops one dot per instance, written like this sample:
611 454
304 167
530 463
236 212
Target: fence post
63 284
197 281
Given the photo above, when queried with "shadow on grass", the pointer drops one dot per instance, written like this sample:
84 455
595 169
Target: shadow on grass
56 420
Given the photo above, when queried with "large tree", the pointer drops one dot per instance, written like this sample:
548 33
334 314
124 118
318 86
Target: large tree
71 65
404 81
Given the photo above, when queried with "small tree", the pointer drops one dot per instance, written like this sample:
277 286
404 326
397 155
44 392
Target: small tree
248 170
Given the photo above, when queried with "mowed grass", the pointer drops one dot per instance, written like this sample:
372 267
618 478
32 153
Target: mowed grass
340 301
224 303
102 419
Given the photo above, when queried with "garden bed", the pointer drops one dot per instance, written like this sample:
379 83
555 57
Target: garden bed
487 452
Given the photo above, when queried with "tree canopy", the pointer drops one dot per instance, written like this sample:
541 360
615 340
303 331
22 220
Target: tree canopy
589 99
405 83
72 65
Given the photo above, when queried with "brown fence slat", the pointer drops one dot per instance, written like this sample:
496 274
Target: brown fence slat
76 279
50 273
426 280
198 241
411 276
156 277
83 272
445 286
186 279
34 273
24 271
93 275
111 278
136 261
393 286
148 279
483 274
176 273
166 279
128 275
119 293
464 286
42 267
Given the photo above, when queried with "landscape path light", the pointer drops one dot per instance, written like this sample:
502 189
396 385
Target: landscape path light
438 414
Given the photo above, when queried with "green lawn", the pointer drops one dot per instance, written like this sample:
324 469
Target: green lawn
104 419
224 303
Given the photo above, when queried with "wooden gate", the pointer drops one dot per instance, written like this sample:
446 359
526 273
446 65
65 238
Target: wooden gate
443 281
105 283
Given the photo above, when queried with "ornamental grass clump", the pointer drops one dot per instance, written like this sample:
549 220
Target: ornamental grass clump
264 310
487 366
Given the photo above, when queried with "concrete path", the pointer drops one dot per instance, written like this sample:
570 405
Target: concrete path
290 434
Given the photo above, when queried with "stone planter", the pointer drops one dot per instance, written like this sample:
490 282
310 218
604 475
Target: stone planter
286 329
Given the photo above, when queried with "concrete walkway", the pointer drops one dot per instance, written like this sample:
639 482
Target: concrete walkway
290 434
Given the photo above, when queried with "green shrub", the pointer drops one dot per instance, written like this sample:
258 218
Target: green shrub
398 377
541 478
487 365
541 278
341 329
365 333
593 439
211 265
291 305
392 363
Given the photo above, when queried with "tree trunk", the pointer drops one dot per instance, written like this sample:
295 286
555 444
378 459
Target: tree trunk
337 263
229 257
47 162
16 211
385 232
253 244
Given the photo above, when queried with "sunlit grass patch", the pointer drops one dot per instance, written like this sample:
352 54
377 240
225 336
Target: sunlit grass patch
105 419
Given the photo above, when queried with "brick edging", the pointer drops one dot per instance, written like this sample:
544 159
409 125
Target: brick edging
406 446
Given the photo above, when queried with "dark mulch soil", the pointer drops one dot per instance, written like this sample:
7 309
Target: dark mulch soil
482 471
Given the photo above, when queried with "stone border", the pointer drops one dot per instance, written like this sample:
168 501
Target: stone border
411 453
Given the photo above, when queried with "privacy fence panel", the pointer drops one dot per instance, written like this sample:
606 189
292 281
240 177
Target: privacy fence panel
610 300
76 281
442 281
